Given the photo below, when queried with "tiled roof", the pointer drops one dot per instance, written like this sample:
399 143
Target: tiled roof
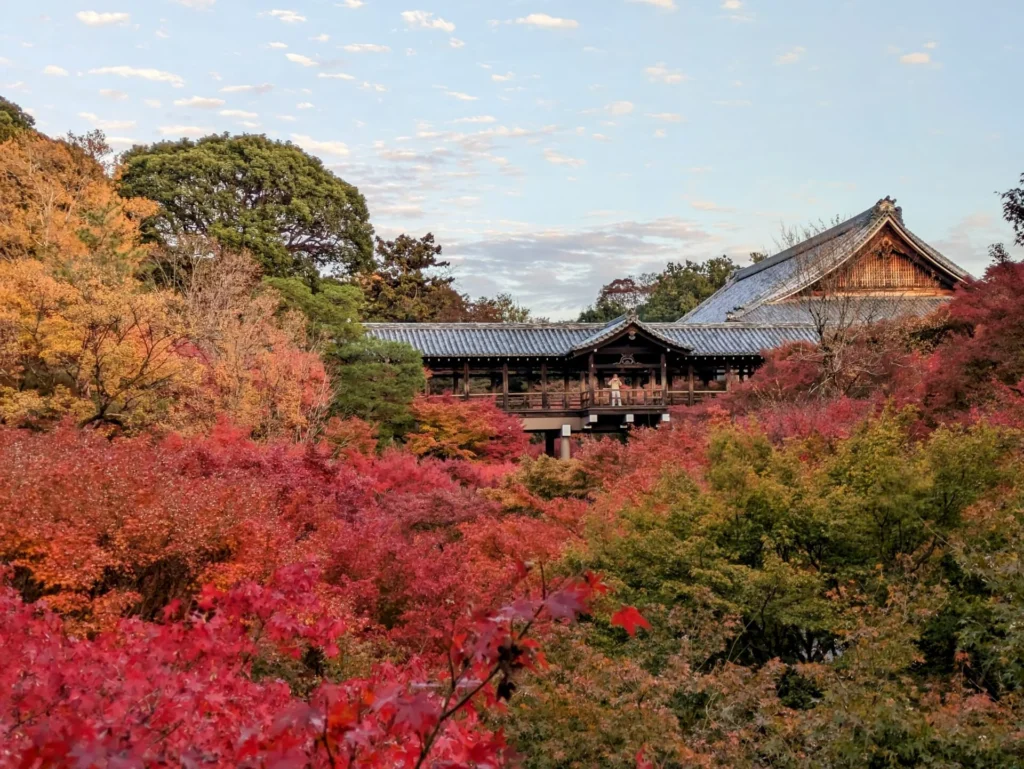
744 297
865 310
511 340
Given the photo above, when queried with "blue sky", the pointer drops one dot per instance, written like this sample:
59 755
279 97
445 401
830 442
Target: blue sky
551 145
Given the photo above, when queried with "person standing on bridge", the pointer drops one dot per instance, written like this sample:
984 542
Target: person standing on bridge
615 384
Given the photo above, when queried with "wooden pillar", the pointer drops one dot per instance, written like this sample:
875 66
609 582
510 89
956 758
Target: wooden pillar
565 450
455 381
689 383
728 377
664 379
504 385
592 379
565 389
544 385
465 379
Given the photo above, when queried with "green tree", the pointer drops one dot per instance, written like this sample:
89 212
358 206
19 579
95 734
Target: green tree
13 119
377 380
619 297
251 193
681 287
332 311
502 308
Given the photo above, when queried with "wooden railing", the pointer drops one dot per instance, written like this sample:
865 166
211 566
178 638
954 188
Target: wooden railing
601 399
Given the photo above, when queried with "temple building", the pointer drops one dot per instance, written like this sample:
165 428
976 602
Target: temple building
558 377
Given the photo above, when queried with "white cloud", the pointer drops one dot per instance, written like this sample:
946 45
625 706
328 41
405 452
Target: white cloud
121 141
156 75
95 19
287 118
183 130
619 108
199 102
154 103
298 58
110 93
504 78
547 22
477 119
454 42
367 86
559 159
660 133
600 137
325 147
199 5
262 88
668 117
351 4
916 58
305 105
732 5
278 46
426 20
239 113
792 56
931 46
660 73
668 5
53 69
460 96
288 17
321 38
367 48
106 125
336 76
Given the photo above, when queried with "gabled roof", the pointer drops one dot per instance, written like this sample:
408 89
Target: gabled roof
621 325
750 293
561 340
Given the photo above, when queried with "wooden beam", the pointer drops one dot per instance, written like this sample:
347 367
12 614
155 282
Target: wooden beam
689 383
544 385
465 379
592 378
565 388
504 385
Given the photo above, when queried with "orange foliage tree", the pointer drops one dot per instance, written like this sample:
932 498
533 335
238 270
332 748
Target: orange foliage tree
452 429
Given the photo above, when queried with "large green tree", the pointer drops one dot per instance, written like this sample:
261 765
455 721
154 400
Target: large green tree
1013 210
249 192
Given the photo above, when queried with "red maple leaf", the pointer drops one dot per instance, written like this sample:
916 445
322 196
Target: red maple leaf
629 618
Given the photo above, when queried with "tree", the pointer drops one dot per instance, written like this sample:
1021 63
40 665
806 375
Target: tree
377 381
1013 210
332 311
503 308
448 428
621 296
13 120
681 287
410 283
253 194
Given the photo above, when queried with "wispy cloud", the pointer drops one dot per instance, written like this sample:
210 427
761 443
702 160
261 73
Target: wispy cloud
298 58
335 76
96 19
667 117
278 46
55 71
619 108
184 130
145 73
110 93
503 78
367 48
544 21
454 42
918 57
792 56
324 147
106 125
427 20
660 73
288 17
460 96
199 5
668 5
239 113
559 159
199 102
351 4
477 119
262 88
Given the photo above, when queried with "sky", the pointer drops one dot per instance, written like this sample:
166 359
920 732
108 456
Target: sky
554 145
